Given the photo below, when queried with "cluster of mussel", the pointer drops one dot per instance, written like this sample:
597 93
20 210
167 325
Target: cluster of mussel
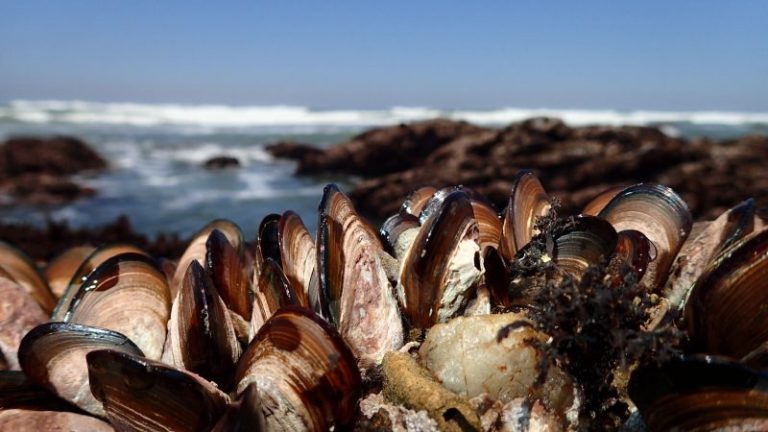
398 327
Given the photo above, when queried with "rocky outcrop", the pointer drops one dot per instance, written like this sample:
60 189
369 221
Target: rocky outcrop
293 150
44 243
221 162
385 150
38 170
573 164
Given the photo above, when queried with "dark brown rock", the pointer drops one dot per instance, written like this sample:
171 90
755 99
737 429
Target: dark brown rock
293 150
37 170
221 162
59 156
43 243
386 150
575 164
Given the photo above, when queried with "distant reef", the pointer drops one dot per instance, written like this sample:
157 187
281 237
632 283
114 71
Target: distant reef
574 164
39 170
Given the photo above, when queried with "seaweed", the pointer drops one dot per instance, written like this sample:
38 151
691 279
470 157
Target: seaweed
596 323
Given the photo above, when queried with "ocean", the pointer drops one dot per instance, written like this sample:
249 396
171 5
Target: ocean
156 154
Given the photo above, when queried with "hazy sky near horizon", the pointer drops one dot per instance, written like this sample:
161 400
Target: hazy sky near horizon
660 55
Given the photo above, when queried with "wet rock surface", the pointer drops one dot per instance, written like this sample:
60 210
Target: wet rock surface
38 170
574 164
221 162
385 150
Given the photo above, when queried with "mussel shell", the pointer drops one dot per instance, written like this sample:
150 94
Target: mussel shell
598 203
497 277
38 420
95 259
416 201
661 215
588 241
228 275
398 232
60 270
19 313
636 250
144 395
726 311
201 337
245 415
128 294
306 375
298 256
196 249
355 291
527 201
425 270
700 393
267 243
697 252
488 221
52 355
274 291
17 390
26 273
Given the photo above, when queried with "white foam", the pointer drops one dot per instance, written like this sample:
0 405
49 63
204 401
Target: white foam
298 119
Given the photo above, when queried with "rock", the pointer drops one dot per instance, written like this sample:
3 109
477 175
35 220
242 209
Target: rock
574 164
56 156
44 189
37 170
386 150
43 243
221 162
293 150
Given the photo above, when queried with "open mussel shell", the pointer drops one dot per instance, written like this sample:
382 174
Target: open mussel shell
700 250
660 214
635 250
497 277
726 310
355 291
139 394
305 373
41 420
201 337
52 355
273 291
416 201
26 273
700 393
587 241
19 313
442 264
267 243
298 256
245 415
598 203
398 232
527 201
196 249
95 259
228 275
488 220
60 270
128 294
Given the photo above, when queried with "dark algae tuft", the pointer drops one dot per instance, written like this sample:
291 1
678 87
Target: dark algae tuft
596 323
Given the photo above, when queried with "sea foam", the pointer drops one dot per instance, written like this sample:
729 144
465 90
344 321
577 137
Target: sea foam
303 119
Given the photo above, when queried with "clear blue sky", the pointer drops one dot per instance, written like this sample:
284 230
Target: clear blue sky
687 55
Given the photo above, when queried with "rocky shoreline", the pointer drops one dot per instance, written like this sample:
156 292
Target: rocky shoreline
574 163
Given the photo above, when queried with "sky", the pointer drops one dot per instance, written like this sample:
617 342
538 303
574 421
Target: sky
653 54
